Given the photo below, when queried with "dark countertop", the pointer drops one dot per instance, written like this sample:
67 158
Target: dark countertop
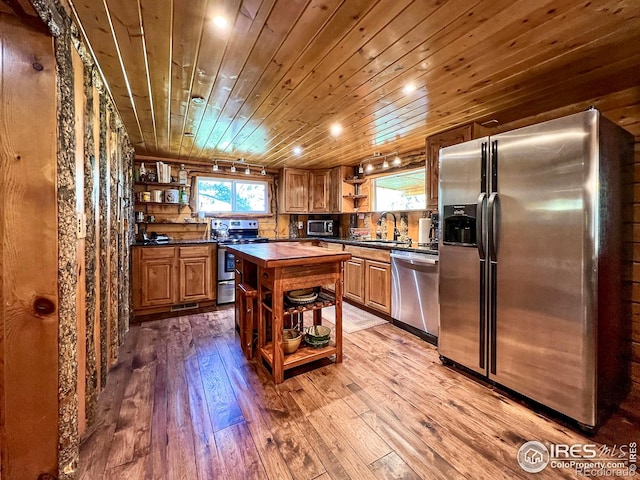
173 243
413 247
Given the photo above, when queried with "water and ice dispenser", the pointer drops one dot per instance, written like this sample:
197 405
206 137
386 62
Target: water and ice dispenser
459 225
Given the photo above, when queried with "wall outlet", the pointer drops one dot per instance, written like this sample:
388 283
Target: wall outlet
300 225
81 224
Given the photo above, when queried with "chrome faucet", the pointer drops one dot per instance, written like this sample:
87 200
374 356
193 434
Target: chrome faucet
396 233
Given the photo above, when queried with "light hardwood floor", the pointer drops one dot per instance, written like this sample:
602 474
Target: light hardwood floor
184 403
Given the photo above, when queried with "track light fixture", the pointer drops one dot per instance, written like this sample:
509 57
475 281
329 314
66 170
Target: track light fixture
218 165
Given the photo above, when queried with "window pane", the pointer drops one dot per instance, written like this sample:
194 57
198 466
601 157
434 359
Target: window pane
400 191
214 195
251 197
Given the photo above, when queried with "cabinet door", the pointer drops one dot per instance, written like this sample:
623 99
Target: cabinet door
295 191
335 190
319 191
157 277
354 279
378 285
434 144
195 278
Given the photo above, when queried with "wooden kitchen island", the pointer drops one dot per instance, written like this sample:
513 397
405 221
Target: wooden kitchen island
273 269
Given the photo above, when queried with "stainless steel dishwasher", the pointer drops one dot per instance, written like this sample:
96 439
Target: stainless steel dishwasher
414 292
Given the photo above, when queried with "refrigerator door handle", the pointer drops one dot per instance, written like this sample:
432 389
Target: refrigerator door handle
482 198
491 217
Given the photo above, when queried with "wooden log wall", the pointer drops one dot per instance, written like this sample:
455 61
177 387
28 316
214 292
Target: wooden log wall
51 346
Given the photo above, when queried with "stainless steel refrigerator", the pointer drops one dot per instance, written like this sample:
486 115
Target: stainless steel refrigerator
530 262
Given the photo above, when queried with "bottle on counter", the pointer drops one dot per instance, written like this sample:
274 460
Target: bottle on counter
182 175
184 199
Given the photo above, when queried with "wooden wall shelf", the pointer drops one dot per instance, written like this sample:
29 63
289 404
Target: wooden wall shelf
158 184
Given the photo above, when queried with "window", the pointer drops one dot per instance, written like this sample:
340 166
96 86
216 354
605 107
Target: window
223 195
400 191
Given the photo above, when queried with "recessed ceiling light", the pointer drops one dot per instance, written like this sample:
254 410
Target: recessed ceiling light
197 100
297 150
220 21
336 129
409 88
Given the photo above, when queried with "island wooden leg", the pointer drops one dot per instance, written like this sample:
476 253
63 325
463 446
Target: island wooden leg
338 294
262 323
317 317
276 334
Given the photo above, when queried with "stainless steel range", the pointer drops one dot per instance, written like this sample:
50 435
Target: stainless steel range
228 231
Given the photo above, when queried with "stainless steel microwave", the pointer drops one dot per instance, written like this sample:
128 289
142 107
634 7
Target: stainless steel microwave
320 228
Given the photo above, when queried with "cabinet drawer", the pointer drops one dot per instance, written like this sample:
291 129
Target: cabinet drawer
368 253
149 253
199 251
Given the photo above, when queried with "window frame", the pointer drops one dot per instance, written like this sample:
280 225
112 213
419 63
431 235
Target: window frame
374 203
234 181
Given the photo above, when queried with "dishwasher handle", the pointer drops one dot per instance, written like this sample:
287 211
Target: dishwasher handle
414 260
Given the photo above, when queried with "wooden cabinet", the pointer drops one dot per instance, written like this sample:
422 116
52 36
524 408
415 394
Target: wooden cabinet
319 191
195 273
157 277
173 275
442 140
293 191
377 281
310 191
354 279
335 190
367 277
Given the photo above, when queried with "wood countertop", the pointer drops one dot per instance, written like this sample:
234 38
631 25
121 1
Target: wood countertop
282 254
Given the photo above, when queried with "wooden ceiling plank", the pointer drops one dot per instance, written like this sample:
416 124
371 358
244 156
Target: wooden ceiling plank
502 70
128 33
278 23
156 22
312 18
359 34
554 75
94 19
215 42
368 116
461 19
188 22
300 63
465 24
245 32
365 77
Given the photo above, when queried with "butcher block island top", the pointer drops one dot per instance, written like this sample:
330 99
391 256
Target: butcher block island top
269 271
279 254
